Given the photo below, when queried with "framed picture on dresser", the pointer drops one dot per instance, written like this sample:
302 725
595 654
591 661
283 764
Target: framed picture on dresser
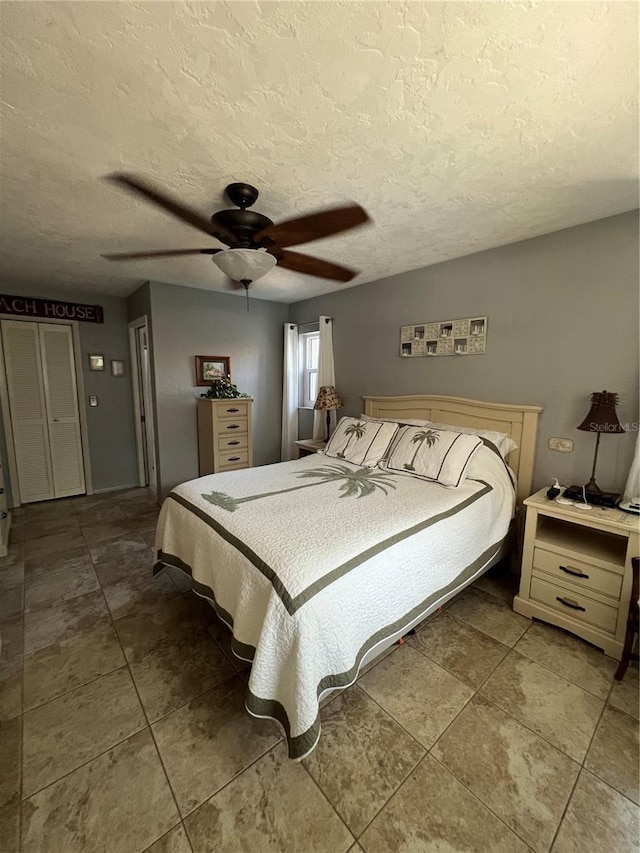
210 367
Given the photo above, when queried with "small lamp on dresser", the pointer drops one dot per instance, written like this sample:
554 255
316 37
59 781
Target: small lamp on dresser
328 400
601 418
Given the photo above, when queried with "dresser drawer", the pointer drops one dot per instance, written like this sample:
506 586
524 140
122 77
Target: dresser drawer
580 575
234 459
233 425
233 409
233 441
574 605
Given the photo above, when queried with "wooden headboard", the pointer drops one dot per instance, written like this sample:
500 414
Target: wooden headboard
519 422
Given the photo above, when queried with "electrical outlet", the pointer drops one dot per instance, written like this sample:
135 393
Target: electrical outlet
563 445
93 400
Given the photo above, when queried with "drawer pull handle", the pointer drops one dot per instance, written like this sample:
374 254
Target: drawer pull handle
232 443
234 459
4 515
233 426
570 604
573 572
233 410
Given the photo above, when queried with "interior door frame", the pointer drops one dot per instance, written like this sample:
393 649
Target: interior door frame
134 325
6 409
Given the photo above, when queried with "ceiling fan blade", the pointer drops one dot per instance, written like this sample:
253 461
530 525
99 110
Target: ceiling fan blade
171 205
309 265
303 229
129 256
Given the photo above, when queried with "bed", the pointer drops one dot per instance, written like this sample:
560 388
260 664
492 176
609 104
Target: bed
318 565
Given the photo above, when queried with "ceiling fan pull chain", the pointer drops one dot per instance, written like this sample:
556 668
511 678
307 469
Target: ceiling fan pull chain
246 284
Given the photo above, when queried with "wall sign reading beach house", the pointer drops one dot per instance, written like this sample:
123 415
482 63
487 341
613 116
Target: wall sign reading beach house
26 306
446 337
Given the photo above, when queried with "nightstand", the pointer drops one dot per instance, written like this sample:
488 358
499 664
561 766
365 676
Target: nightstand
307 446
576 569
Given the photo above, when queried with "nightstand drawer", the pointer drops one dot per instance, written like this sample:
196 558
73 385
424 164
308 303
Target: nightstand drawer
580 574
233 441
574 605
234 425
233 409
234 459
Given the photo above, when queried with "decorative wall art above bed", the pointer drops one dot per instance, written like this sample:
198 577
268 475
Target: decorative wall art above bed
444 337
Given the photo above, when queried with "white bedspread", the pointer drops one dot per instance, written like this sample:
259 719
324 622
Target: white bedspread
314 562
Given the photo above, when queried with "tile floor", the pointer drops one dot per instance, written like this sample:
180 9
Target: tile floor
122 727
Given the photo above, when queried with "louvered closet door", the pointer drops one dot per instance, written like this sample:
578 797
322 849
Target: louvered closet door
28 410
61 397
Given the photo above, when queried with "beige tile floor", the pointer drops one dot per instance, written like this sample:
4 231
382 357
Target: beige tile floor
122 726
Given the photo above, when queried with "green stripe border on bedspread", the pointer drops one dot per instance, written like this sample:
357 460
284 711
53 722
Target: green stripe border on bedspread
292 604
302 744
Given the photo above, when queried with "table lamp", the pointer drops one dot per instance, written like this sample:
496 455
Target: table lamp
328 400
601 418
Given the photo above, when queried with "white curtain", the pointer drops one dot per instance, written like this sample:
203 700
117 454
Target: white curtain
290 393
326 375
632 489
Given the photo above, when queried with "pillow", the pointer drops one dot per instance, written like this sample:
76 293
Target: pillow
502 441
361 442
438 455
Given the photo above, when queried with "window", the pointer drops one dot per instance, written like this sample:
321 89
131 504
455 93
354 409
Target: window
309 350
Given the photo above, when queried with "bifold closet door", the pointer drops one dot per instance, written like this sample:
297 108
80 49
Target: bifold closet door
23 365
61 399
43 400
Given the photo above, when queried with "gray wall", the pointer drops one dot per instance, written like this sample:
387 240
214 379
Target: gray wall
563 322
110 426
139 303
187 322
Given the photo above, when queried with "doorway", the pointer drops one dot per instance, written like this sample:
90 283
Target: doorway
142 401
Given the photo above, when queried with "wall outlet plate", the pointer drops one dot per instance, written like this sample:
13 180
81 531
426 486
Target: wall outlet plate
563 445
93 400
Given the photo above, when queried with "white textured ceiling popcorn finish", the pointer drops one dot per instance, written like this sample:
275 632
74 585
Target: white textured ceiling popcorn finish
458 126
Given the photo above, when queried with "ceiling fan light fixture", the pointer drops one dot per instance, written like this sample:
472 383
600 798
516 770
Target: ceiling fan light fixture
244 264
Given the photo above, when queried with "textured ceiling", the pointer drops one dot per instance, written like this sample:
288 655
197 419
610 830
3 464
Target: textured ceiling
459 126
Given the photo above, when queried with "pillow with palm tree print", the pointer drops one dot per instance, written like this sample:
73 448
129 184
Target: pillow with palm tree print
361 442
432 454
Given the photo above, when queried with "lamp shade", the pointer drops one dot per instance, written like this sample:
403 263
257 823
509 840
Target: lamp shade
244 264
602 415
328 398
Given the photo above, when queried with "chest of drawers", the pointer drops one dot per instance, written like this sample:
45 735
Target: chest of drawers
576 569
224 435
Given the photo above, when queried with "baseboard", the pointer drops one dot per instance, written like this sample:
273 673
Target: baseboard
118 488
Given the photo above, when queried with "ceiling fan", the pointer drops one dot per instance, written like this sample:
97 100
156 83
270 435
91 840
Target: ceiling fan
255 243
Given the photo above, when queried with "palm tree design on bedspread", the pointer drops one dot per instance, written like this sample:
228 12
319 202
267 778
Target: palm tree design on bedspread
425 435
359 483
358 429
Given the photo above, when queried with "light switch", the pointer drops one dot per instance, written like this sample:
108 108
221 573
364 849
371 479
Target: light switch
564 445
93 400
